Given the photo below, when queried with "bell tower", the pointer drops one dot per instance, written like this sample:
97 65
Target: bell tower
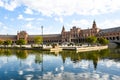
63 34
63 29
94 25
22 35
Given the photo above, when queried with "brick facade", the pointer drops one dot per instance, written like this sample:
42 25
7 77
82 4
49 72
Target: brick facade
76 35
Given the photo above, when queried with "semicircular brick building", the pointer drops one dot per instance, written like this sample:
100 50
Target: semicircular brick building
75 35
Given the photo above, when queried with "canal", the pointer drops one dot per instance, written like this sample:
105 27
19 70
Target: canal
65 65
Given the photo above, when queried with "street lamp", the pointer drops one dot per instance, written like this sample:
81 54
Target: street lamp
42 52
42 35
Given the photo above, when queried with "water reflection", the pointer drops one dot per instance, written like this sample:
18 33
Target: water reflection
21 54
38 58
94 56
65 65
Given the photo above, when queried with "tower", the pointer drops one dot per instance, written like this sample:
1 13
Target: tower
94 24
63 29
63 34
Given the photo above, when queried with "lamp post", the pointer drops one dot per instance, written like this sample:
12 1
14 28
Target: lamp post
42 35
42 52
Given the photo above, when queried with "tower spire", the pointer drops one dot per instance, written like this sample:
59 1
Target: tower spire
94 24
63 29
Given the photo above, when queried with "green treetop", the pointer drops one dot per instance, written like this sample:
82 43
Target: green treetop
103 41
21 42
38 40
91 40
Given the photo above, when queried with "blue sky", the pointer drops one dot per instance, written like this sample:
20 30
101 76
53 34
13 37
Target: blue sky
30 15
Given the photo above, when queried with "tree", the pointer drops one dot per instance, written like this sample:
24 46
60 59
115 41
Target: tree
38 40
91 40
22 54
1 42
7 42
21 42
103 41
8 52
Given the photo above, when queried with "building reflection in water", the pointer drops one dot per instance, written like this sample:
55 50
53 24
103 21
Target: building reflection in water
36 62
95 56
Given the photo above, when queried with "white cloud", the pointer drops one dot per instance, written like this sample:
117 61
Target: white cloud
60 19
64 7
40 19
2 26
5 17
0 23
33 28
20 16
12 19
4 29
83 24
29 19
9 4
28 11
1 3
109 24
29 26
51 30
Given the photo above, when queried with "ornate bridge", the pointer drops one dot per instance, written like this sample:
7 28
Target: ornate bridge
111 34
115 41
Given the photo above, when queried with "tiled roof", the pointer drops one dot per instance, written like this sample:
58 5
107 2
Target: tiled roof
8 36
47 35
116 29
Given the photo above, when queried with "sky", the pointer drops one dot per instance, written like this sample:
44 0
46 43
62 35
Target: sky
30 15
